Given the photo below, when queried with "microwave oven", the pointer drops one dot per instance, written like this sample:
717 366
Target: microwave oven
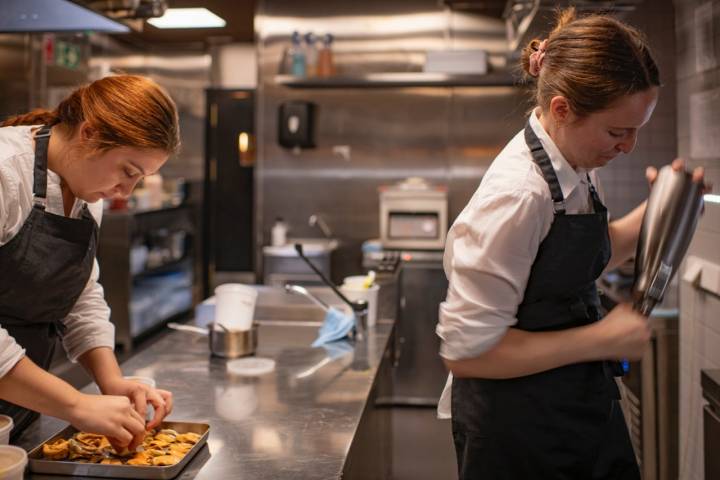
413 215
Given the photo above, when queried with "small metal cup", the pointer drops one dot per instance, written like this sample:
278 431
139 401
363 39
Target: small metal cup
360 313
232 343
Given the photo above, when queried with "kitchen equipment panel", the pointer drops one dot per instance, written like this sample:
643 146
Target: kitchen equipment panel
413 215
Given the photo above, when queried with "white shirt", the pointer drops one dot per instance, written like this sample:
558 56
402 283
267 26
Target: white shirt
88 324
492 245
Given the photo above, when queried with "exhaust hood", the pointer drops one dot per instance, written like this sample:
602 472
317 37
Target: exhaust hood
25 16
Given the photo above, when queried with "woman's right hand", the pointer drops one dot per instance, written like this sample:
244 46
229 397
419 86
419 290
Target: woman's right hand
109 415
623 334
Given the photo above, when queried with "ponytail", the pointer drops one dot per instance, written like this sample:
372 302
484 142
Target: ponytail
38 116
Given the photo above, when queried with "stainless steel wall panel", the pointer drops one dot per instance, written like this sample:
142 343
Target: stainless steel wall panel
185 76
482 121
15 68
371 137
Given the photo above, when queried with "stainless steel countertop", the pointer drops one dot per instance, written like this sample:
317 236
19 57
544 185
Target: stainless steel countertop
276 426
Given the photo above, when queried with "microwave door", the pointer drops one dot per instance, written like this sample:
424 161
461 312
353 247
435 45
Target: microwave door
413 225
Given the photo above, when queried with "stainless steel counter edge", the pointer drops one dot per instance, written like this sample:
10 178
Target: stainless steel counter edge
297 422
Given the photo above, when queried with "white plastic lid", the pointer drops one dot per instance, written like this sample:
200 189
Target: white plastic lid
251 366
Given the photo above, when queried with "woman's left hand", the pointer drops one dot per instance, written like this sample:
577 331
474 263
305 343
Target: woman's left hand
140 395
678 165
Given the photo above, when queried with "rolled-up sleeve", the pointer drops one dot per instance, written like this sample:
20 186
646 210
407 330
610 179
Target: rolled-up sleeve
489 253
88 324
10 352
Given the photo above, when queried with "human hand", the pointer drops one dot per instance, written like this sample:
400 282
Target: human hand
140 395
698 174
109 415
622 334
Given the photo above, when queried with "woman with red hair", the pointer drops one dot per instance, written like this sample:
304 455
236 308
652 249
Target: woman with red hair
56 167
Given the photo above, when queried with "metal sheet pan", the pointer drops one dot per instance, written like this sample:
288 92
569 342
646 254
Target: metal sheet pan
58 467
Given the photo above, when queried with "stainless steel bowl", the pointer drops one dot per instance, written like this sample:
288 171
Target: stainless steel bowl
223 342
232 343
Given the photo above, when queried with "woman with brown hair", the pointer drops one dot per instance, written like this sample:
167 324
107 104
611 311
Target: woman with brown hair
56 167
533 394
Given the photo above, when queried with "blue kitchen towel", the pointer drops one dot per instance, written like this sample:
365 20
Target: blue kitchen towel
336 326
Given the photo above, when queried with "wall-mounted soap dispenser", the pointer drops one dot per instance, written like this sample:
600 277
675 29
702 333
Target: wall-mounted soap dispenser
296 124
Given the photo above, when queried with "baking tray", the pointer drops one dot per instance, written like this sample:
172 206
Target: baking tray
59 467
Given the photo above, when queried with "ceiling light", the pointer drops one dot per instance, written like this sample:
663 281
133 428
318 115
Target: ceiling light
187 18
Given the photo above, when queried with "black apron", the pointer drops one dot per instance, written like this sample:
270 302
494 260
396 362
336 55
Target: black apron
45 268
565 423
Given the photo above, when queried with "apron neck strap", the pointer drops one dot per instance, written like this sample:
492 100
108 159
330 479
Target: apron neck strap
541 158
42 139
597 203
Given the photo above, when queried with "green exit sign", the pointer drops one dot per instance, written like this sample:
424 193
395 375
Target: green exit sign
67 55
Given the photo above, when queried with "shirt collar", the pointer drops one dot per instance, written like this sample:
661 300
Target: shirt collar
568 178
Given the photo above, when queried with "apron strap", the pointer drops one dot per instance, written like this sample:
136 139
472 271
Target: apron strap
541 158
58 328
42 139
598 206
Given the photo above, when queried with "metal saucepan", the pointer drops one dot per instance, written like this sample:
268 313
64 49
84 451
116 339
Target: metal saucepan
223 342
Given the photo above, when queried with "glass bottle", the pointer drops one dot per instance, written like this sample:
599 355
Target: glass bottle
325 64
311 54
297 56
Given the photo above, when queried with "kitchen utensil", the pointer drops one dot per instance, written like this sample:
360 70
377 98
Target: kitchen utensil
304 292
357 291
336 324
670 219
363 287
223 342
369 279
359 307
59 467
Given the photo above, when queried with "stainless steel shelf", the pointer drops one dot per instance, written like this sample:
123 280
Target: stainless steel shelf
120 230
401 79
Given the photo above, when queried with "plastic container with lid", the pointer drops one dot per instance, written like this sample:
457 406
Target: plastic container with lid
12 462
235 306
278 233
